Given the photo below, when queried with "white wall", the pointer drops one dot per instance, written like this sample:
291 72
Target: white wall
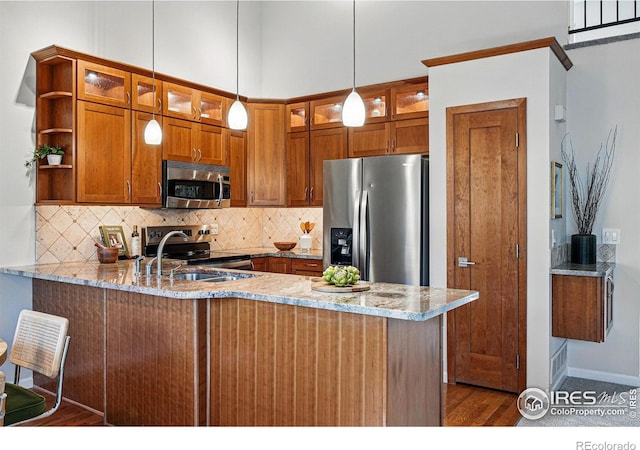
194 40
518 75
603 92
308 45
557 132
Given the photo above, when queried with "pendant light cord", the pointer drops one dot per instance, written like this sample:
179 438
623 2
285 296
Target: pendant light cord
237 49
354 45
153 54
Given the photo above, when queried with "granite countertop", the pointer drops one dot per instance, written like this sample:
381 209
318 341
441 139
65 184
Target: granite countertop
257 252
396 301
600 269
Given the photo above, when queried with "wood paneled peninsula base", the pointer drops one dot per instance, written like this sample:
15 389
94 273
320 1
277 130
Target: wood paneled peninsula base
262 351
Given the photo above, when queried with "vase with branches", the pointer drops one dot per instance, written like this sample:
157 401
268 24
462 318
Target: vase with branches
587 195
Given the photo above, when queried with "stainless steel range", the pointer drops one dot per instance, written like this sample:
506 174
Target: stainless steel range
195 250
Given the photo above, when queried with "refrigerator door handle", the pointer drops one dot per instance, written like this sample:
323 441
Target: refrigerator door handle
363 243
355 244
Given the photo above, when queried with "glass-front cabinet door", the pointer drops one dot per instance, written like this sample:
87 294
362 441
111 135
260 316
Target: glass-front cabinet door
297 117
146 95
212 109
326 113
102 84
376 105
410 101
180 101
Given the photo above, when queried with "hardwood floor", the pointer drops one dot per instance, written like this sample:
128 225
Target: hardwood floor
475 406
465 406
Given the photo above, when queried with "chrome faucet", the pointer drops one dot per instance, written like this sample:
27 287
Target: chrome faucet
161 248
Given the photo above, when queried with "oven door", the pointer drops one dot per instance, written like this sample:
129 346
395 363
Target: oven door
195 186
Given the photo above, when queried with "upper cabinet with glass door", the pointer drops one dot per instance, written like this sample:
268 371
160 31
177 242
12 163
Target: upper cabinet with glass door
147 94
192 104
297 117
326 112
410 101
376 104
103 84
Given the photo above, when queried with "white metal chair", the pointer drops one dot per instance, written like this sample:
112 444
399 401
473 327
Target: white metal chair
40 344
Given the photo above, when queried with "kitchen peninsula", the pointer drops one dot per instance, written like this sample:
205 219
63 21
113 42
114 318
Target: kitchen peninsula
261 350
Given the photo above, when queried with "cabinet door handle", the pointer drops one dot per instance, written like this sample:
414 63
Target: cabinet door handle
128 98
311 195
195 112
193 150
386 148
199 113
199 154
393 146
306 189
159 190
129 189
159 105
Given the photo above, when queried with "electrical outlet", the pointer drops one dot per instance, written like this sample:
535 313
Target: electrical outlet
611 236
214 228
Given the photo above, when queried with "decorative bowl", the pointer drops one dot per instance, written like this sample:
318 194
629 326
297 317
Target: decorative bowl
107 255
284 245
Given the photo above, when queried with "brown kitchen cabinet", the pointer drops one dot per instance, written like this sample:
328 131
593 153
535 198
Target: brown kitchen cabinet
582 307
260 264
146 94
55 125
104 84
326 112
183 102
104 153
297 117
376 104
298 169
237 157
323 145
279 265
396 137
146 163
369 140
410 136
194 142
306 152
308 267
410 101
266 154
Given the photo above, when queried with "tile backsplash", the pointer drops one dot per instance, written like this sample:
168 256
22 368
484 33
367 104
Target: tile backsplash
68 233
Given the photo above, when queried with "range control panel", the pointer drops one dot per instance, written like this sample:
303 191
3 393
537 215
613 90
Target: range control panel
195 233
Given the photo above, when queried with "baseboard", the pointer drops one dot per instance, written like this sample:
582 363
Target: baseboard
607 377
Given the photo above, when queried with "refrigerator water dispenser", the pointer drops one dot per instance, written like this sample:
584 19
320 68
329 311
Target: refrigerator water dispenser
341 246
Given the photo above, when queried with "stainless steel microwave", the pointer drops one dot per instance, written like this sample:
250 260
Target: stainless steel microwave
195 186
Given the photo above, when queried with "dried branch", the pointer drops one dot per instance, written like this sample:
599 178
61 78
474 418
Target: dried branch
586 198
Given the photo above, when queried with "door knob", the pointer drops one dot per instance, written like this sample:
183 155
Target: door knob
463 262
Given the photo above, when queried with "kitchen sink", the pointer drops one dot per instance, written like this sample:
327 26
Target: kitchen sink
212 276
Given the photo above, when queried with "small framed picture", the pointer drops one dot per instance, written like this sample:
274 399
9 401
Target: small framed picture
556 190
113 237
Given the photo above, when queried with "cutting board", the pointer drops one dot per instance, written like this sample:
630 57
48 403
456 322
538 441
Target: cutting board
318 284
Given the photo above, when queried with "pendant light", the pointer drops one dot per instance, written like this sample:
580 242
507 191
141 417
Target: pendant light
353 111
153 132
237 118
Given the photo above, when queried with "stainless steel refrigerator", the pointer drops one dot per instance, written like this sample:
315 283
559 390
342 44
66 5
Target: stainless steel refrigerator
376 217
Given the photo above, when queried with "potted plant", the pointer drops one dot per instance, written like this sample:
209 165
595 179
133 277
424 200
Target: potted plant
586 196
53 154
